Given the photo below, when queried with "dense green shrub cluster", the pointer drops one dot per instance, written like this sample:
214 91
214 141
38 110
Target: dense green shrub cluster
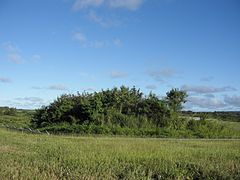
125 111
122 106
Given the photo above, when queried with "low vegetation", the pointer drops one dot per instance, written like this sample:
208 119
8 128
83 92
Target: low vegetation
13 117
24 156
230 116
8 111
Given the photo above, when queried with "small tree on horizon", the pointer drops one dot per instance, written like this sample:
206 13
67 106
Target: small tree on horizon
175 100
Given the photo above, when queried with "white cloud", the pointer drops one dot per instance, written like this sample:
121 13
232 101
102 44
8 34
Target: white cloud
125 4
81 4
96 18
37 87
207 89
117 42
103 21
5 80
151 86
80 37
31 99
13 52
25 102
233 100
60 87
98 44
36 58
92 89
206 103
108 17
84 42
209 95
15 58
162 74
118 74
15 55
10 47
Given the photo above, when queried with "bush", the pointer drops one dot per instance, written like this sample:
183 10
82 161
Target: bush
10 111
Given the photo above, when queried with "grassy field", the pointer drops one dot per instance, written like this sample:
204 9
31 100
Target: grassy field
21 119
29 156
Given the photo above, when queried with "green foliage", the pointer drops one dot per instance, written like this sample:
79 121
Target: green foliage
8 111
21 118
122 107
125 111
175 98
27 156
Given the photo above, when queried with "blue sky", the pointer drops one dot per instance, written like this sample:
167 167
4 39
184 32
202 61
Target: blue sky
48 48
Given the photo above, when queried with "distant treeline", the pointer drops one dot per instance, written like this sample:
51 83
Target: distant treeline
233 116
8 111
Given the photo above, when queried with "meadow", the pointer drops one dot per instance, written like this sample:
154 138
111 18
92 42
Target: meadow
32 156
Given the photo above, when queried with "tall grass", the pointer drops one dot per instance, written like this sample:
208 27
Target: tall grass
28 156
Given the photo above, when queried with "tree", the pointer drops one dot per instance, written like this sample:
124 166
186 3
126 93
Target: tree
175 99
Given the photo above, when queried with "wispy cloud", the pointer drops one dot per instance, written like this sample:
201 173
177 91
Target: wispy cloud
80 37
5 80
209 95
232 100
103 21
84 42
28 102
207 89
98 44
117 74
162 74
117 42
212 102
92 9
13 52
59 87
10 47
37 87
207 79
32 99
125 4
206 103
81 4
36 58
15 58
89 89
87 76
151 87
